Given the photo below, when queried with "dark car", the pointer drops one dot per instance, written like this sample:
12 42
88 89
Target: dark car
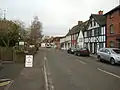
71 50
82 52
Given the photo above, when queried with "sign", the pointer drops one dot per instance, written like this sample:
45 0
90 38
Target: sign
29 61
21 43
32 46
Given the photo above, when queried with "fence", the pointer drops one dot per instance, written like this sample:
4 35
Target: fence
6 54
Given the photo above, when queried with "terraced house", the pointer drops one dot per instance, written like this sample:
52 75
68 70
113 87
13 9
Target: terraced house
95 33
113 27
74 32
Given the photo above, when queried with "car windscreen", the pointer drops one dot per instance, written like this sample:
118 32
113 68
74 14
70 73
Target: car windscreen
84 49
116 51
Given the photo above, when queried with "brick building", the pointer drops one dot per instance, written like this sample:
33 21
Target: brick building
113 27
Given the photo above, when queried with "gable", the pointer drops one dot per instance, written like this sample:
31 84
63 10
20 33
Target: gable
80 34
92 23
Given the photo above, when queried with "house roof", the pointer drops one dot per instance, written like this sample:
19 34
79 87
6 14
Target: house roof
77 28
68 33
114 9
101 19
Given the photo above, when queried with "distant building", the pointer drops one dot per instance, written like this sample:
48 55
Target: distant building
56 41
66 41
113 27
80 40
74 32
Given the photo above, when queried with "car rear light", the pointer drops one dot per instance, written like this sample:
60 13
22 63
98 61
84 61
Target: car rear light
84 51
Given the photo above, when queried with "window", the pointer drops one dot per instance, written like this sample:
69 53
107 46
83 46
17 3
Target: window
111 29
101 45
80 39
102 50
91 23
111 44
94 23
92 32
111 15
85 34
119 27
116 51
107 51
99 31
89 33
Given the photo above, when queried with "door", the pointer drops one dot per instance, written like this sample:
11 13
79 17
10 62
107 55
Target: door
95 47
91 47
106 55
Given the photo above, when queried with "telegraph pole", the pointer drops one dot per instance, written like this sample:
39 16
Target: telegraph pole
4 14
0 13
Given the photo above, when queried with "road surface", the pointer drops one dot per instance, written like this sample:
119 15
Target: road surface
68 72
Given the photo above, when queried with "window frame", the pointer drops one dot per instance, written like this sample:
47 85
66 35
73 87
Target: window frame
80 39
111 46
94 23
111 28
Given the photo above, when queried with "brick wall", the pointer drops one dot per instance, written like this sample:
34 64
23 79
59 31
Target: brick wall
113 18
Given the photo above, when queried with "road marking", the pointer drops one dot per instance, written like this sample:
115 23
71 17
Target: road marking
52 87
81 61
112 74
45 58
46 79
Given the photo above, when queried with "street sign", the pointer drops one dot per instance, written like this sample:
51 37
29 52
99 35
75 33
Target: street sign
29 61
21 43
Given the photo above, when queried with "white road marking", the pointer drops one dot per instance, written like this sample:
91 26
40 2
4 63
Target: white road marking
46 79
112 74
81 61
45 58
52 87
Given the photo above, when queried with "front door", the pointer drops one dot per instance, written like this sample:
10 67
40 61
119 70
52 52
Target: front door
106 55
95 47
91 47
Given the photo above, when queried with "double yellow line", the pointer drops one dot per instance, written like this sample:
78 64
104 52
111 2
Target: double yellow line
4 82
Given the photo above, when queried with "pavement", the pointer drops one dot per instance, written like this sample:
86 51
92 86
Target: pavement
23 78
69 72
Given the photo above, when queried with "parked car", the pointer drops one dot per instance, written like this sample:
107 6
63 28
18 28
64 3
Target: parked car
82 52
71 50
109 54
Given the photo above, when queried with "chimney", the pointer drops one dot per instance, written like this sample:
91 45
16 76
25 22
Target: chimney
80 22
100 12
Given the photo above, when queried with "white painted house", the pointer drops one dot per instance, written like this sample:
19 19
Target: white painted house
80 40
62 43
94 35
66 42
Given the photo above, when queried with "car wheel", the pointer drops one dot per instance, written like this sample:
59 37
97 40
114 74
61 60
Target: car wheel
78 54
112 61
88 55
99 58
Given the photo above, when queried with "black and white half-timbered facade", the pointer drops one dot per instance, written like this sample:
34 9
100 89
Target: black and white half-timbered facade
95 33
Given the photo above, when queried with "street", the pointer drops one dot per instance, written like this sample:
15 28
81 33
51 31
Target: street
68 72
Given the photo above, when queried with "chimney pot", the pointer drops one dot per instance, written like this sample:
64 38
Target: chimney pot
80 22
100 12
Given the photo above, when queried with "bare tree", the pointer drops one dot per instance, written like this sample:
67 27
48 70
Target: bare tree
36 30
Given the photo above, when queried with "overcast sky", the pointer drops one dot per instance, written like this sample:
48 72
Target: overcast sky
57 16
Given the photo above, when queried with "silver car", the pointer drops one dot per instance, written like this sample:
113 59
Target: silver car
109 54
